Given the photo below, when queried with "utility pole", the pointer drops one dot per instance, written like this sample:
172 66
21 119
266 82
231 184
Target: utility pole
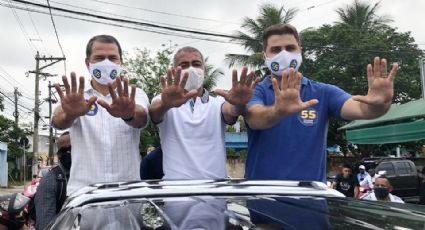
16 113
38 73
51 101
422 68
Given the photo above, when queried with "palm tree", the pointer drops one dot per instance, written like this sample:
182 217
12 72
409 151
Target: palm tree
211 75
362 16
251 40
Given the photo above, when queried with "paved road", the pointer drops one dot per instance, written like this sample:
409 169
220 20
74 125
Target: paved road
5 191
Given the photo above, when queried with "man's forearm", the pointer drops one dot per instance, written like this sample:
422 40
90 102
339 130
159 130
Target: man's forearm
374 111
157 111
262 117
356 192
140 117
354 110
61 120
231 112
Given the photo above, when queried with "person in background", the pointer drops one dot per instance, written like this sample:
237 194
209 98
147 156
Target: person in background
151 166
382 191
362 173
422 187
51 193
369 180
347 183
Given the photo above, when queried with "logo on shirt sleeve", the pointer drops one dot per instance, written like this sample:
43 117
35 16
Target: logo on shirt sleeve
308 117
93 110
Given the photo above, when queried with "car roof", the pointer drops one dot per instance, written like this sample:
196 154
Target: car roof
229 204
377 160
159 188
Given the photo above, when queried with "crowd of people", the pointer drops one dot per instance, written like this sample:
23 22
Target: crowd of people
286 114
376 187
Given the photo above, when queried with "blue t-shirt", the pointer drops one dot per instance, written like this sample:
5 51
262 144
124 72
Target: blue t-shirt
295 148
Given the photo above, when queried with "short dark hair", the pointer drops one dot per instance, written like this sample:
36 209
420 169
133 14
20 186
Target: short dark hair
188 49
103 39
279 29
347 166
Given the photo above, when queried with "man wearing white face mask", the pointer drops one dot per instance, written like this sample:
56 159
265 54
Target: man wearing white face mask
191 122
288 115
104 118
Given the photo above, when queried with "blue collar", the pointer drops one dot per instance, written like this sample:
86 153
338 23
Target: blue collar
268 81
204 98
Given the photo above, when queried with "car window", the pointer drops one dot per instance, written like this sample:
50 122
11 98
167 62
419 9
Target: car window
402 168
410 167
388 167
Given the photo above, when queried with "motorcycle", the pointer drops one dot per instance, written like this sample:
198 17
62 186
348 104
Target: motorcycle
12 211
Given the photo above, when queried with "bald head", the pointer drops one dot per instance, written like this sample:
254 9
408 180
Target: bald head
383 182
64 141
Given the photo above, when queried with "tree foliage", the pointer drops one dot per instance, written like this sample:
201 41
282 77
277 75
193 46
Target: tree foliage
251 35
11 134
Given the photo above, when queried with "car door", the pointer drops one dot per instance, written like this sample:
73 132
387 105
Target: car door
403 180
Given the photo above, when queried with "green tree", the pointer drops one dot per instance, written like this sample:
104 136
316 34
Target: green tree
11 134
211 75
251 40
146 68
338 54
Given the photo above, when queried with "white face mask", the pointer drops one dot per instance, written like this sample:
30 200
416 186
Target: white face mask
105 71
283 61
195 79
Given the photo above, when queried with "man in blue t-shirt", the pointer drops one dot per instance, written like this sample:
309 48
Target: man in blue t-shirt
288 115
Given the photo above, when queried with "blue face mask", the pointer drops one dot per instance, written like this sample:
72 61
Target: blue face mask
381 193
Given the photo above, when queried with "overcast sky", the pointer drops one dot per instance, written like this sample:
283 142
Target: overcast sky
224 16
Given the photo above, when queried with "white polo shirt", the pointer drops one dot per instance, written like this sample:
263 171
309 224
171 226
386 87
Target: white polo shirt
104 148
393 198
193 142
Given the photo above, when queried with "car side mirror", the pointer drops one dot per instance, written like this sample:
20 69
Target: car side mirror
382 173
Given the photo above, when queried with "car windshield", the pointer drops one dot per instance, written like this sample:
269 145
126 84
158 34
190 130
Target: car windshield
235 212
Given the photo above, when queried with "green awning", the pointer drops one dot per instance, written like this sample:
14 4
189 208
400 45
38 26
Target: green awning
402 123
395 133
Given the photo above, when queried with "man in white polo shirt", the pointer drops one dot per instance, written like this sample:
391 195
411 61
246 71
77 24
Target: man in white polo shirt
104 118
191 122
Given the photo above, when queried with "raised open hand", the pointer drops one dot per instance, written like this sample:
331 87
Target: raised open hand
287 98
242 90
73 102
173 92
381 84
123 105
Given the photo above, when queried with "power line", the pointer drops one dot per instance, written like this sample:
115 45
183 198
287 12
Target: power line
12 101
236 40
123 16
120 25
38 34
56 32
165 13
21 26
12 78
151 25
